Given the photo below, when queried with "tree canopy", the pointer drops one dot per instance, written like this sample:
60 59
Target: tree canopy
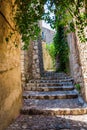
70 13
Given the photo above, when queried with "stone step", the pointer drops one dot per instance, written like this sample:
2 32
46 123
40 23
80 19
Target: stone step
54 107
56 77
51 81
29 85
50 95
55 74
50 88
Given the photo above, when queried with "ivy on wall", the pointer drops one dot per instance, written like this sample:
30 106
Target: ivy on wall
61 49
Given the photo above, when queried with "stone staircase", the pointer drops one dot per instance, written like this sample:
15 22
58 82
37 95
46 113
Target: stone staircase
53 94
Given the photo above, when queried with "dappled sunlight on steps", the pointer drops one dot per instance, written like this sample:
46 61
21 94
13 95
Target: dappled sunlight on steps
51 103
53 94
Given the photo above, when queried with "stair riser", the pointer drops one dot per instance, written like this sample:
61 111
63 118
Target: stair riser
48 89
51 97
46 84
57 78
51 81
55 112
51 84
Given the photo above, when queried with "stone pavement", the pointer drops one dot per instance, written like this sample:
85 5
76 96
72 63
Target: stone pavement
51 103
41 122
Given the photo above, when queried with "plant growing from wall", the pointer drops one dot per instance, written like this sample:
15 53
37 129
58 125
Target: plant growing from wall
61 48
78 87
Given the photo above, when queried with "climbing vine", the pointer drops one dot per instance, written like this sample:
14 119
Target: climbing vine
61 49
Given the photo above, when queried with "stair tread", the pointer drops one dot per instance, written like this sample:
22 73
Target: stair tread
50 93
50 88
50 80
56 103
71 86
54 107
50 84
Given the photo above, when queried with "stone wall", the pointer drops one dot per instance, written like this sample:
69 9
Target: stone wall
37 67
83 61
47 34
75 67
26 63
23 79
41 66
31 62
47 60
10 76
78 62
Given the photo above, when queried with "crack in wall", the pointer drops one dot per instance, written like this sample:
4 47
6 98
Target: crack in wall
7 21
3 71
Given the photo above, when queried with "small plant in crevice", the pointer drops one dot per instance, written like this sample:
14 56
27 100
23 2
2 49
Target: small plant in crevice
78 87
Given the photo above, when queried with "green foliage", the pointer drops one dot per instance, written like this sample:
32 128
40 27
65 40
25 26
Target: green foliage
52 52
62 49
51 49
66 12
59 48
27 17
78 87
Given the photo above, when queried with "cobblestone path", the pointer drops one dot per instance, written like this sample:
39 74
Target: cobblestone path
51 103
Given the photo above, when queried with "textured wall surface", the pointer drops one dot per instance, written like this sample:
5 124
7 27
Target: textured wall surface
78 62
26 63
47 35
10 78
37 60
75 67
83 60
32 62
47 60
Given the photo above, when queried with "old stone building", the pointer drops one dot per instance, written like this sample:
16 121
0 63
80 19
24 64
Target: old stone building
47 34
